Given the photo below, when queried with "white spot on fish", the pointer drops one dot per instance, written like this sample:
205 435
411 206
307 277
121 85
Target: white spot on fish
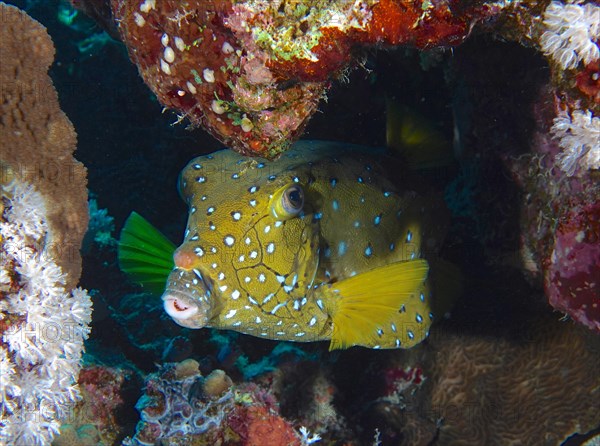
278 306
268 298
247 279
201 179
229 240
223 288
419 318
210 210
369 250
411 335
235 295
253 254
221 275
230 314
377 220
248 241
278 223
236 216
342 248
320 303
300 334
261 278
408 236
271 248
258 320
267 229
252 203
241 258
335 205
253 189
199 251
312 321
252 301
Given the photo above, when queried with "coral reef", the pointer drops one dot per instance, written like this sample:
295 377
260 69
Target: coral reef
98 417
537 387
38 140
252 73
540 390
43 318
182 407
560 213
42 323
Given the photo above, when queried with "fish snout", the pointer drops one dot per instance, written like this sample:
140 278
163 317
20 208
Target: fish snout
184 310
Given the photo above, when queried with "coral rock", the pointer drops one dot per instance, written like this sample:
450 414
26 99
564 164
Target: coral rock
538 391
252 73
37 139
571 279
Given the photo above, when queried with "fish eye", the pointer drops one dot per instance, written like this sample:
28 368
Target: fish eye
292 199
287 202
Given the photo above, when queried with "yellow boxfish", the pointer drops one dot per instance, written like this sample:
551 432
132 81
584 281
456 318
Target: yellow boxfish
319 244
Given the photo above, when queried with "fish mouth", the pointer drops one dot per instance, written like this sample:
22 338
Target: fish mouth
184 311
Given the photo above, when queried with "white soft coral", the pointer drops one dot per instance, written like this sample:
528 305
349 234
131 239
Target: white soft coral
578 134
572 33
45 325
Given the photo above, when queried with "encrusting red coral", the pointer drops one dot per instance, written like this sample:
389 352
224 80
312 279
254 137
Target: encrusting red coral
252 73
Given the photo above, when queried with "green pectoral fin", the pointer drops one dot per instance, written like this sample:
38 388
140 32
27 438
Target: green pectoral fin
376 308
145 254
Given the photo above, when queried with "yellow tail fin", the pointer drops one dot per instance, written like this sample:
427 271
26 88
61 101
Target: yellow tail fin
382 308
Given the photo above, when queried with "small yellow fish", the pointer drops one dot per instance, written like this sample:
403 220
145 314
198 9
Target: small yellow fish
317 245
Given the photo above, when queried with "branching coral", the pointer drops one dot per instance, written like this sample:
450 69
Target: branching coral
42 324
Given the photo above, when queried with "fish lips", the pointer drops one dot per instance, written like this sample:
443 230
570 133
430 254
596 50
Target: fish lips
184 309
